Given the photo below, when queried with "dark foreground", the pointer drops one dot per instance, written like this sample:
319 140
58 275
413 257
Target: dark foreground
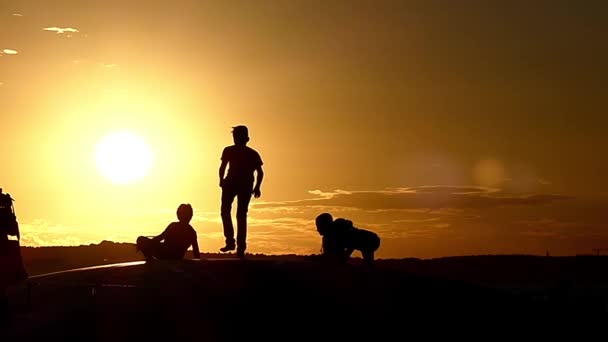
217 300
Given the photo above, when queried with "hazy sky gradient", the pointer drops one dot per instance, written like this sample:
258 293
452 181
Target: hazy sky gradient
450 127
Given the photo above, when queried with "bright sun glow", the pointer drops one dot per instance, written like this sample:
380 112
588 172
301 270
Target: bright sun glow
123 157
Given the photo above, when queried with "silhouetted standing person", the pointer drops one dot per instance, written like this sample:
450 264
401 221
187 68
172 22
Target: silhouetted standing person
174 241
242 162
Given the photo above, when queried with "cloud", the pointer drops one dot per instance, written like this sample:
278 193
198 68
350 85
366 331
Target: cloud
10 51
205 216
429 219
42 233
283 222
280 244
112 65
449 189
60 30
283 210
550 223
426 197
17 15
328 194
543 181
539 233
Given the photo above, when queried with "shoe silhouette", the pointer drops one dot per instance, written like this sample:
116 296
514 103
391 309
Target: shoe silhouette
228 248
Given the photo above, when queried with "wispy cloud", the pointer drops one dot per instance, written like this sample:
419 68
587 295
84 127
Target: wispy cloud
330 194
110 65
422 220
284 225
42 233
550 223
17 15
61 30
427 197
10 51
540 233
206 216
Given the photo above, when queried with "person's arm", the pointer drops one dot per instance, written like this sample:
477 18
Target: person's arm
258 183
225 158
162 235
325 249
222 171
332 249
196 254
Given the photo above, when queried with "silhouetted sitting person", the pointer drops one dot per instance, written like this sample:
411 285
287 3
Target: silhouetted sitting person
340 238
173 243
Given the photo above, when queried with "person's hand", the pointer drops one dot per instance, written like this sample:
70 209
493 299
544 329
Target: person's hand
257 193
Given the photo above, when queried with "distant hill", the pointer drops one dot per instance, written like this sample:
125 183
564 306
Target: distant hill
39 260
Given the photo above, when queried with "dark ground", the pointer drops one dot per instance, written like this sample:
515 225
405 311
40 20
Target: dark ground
302 299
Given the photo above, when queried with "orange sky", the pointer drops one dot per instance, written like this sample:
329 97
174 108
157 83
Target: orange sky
449 128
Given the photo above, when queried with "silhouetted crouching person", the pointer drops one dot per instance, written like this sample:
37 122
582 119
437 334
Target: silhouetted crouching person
173 243
340 238
242 162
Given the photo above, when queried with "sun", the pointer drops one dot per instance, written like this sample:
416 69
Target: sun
123 157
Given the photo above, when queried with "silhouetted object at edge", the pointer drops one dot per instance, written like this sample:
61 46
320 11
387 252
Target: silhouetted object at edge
340 238
12 269
242 162
172 243
8 219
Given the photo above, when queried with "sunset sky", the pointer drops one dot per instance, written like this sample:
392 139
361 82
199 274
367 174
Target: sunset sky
447 127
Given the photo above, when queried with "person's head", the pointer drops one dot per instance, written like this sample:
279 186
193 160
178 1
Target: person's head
184 213
323 223
240 135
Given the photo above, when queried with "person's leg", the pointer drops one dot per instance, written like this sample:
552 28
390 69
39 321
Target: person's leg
368 256
368 253
166 252
148 247
227 198
243 199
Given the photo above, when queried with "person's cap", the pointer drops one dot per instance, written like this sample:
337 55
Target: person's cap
240 130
